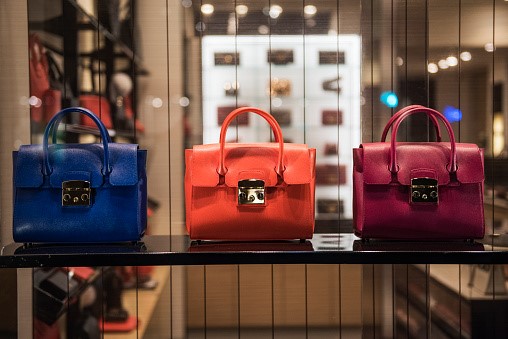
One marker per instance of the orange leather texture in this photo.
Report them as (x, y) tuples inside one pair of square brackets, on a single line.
[(213, 211)]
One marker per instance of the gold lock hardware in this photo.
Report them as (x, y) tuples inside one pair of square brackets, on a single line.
[(424, 190), (251, 192), (76, 193)]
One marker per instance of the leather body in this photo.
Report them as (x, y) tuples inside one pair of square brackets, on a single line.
[(382, 200), (212, 208), (118, 204)]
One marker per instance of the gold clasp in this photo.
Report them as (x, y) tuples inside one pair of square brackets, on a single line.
[(76, 193), (424, 190), (251, 192)]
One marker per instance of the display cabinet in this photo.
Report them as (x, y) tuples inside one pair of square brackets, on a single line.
[(320, 69), (479, 310), (88, 56), (455, 308), (311, 85)]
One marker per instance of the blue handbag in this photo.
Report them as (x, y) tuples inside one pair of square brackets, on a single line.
[(79, 193)]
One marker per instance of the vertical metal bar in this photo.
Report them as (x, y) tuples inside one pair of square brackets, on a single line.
[(204, 301), (25, 302)]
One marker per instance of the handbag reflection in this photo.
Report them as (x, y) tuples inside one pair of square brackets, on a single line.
[(258, 191), (79, 193), (418, 190)]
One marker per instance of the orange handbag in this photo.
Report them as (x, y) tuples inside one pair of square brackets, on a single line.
[(257, 191)]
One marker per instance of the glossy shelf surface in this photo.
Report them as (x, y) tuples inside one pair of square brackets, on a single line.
[(330, 248)]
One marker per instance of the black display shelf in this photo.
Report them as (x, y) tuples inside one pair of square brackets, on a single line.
[(343, 248)]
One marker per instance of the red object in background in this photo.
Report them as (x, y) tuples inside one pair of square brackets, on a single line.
[(125, 326), (129, 114), (99, 106), (44, 100), (83, 273), (45, 331)]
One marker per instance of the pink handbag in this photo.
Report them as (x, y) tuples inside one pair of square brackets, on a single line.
[(418, 190), (259, 191)]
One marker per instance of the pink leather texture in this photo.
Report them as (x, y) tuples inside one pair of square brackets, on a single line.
[(212, 173), (382, 173)]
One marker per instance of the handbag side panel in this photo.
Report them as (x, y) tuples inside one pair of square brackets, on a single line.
[(358, 208)]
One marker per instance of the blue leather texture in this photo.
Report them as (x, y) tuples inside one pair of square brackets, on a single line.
[(118, 208)]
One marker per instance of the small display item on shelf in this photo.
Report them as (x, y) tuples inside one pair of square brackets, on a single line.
[(279, 87), (129, 324), (82, 273), (331, 149), (327, 206), (231, 88), (280, 56), (227, 59), (53, 290), (332, 85), (331, 117), (223, 112), (138, 277), (327, 174), (283, 117), (332, 58)]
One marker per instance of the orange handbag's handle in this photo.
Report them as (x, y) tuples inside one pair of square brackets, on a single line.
[(222, 170)]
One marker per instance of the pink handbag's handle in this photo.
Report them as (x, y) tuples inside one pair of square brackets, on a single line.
[(397, 116), (222, 170), (429, 112)]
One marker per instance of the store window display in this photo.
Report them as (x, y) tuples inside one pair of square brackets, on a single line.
[(165, 74)]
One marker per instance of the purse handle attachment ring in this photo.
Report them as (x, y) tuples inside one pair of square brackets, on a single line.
[(222, 170), (53, 125)]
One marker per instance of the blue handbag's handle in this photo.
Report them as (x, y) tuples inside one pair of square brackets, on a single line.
[(54, 129), (53, 125)]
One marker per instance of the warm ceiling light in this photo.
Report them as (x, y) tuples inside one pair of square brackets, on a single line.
[(310, 10), (432, 68), (275, 11), (443, 64), (489, 47), (242, 10), (187, 3), (399, 61), (452, 61), (263, 29), (466, 56), (207, 9)]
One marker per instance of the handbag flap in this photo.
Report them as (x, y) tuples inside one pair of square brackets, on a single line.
[(420, 156), (250, 161), (76, 162)]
